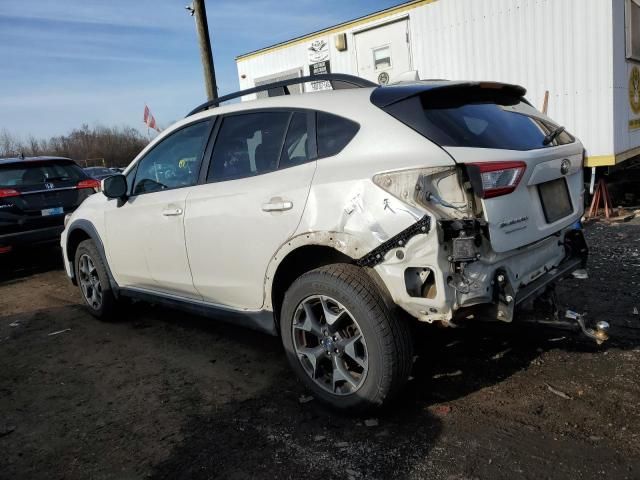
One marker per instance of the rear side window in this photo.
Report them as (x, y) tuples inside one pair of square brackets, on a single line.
[(37, 173), (476, 118), (248, 144), (296, 145), (334, 133)]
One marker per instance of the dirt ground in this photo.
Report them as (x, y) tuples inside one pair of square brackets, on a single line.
[(164, 395)]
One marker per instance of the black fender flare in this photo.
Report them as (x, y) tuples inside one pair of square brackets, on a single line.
[(90, 230)]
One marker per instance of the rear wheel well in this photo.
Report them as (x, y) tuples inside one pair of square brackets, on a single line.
[(297, 263)]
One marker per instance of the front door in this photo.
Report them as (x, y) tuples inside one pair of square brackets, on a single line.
[(145, 235), (383, 52), (259, 180)]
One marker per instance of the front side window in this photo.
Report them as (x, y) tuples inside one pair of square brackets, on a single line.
[(174, 162), (248, 144)]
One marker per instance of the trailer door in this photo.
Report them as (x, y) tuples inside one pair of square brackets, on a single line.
[(383, 52)]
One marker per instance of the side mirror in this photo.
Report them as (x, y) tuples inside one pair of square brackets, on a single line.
[(115, 186)]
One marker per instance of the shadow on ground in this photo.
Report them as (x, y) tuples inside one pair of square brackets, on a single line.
[(29, 261), (274, 435)]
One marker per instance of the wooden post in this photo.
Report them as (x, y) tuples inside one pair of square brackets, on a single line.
[(199, 11), (545, 103)]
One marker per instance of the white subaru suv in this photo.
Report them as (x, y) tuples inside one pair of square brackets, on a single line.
[(339, 219)]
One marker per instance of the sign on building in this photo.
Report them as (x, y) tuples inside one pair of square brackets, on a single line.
[(318, 52)]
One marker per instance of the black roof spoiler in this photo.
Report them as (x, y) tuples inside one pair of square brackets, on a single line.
[(383, 97), (338, 81)]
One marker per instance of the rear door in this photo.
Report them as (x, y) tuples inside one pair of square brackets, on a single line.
[(257, 186), (37, 194), (530, 184), (383, 52)]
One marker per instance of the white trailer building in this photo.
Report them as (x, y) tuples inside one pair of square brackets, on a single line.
[(585, 53)]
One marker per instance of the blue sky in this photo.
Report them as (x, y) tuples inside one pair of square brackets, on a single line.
[(68, 62)]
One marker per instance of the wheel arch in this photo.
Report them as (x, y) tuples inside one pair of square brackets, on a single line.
[(296, 263), (303, 253), (82, 230)]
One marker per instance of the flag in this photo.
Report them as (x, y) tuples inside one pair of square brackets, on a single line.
[(149, 119)]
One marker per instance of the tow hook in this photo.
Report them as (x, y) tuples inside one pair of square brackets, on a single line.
[(600, 333)]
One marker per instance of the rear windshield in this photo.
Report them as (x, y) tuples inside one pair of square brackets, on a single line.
[(476, 118), (36, 173)]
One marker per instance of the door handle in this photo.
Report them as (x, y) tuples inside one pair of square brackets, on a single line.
[(172, 212), (277, 205)]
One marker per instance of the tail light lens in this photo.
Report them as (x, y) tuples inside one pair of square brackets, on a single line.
[(437, 188), (493, 179), (89, 183), (8, 192)]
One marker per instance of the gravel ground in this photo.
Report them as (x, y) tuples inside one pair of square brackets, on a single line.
[(160, 394)]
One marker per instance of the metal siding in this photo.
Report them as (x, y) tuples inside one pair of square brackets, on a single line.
[(564, 46), (525, 42)]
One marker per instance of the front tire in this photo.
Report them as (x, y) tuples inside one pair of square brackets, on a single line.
[(342, 339), (93, 281)]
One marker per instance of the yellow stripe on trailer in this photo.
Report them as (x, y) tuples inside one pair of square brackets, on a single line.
[(405, 7), (610, 160)]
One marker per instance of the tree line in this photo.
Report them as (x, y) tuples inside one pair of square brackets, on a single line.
[(99, 145)]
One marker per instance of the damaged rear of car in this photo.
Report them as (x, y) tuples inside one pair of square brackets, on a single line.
[(509, 228)]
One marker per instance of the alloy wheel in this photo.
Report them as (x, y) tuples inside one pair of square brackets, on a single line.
[(330, 345), (89, 282)]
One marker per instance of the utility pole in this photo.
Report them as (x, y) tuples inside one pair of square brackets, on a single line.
[(198, 10)]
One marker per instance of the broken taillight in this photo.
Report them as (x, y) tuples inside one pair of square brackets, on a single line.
[(438, 188), (493, 179), (8, 192)]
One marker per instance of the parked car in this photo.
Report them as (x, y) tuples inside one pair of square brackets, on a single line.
[(35, 195), (99, 173), (338, 219)]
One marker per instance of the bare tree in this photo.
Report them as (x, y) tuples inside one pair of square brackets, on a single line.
[(116, 145)]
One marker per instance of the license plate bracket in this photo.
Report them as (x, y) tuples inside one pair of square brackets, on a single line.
[(555, 199)]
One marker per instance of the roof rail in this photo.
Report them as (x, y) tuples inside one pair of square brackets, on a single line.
[(338, 81)]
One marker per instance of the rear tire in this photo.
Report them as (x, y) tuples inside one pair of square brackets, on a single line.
[(93, 281), (343, 340)]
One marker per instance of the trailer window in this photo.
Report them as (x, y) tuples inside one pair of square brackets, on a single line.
[(382, 57), (632, 16)]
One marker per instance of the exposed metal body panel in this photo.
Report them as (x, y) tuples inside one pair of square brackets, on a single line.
[(572, 48)]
